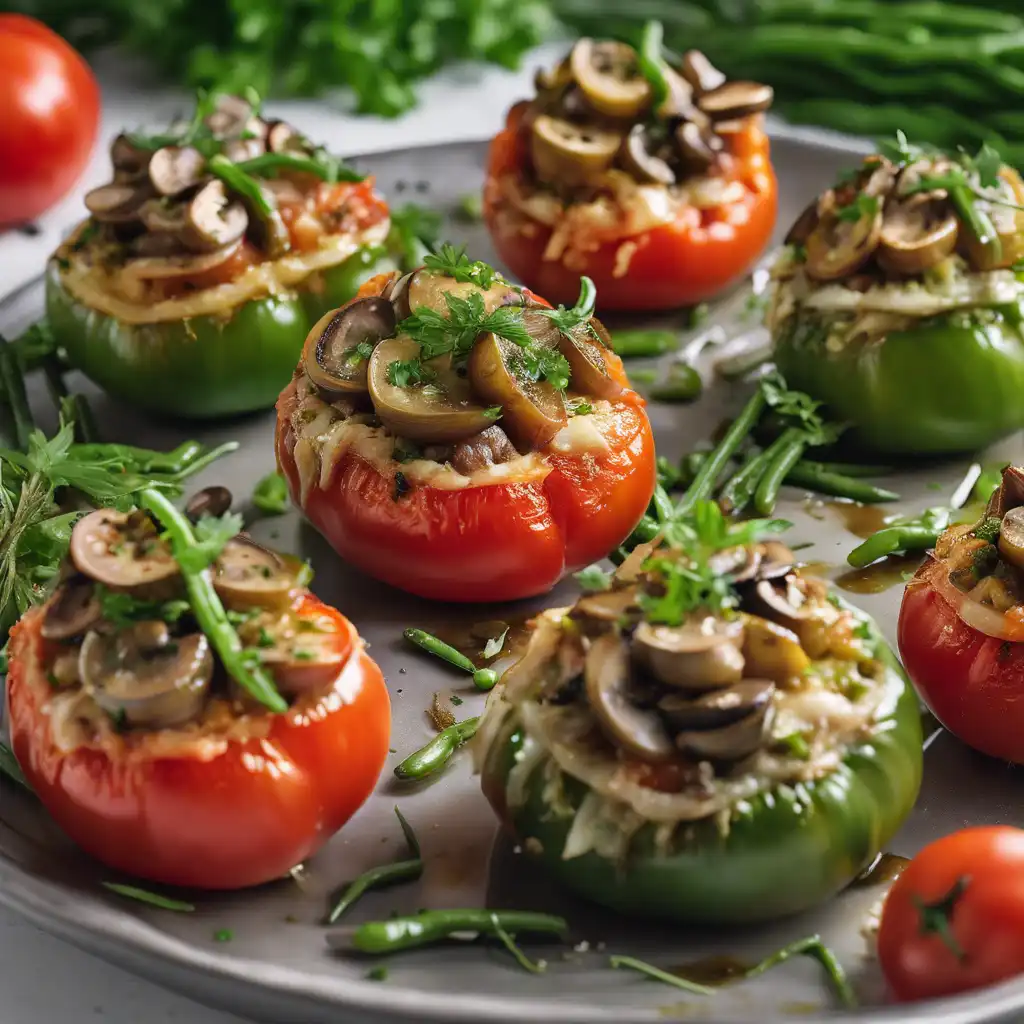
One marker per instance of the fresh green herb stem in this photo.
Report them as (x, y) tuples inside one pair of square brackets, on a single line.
[(722, 453), (652, 62), (385, 875), (430, 926), (657, 974), (154, 899), (12, 394), (662, 505), (270, 494), (207, 608), (269, 163), (433, 756), (509, 942)]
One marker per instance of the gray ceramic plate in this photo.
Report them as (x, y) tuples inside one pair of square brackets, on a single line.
[(277, 966)]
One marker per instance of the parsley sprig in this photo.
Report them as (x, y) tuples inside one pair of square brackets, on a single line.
[(453, 262), (568, 320)]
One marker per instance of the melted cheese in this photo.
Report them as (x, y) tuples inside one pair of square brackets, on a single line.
[(102, 290)]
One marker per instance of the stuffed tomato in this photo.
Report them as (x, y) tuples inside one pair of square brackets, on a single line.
[(455, 437), (728, 761), (181, 742), (204, 263), (653, 181), (961, 626), (897, 302)]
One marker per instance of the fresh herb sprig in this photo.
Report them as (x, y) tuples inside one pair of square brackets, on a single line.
[(452, 261)]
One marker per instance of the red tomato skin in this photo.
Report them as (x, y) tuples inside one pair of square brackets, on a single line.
[(987, 922), (973, 683), (246, 817), (51, 106), (677, 264)]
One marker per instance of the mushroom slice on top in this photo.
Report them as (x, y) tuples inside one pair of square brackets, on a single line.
[(772, 651), (162, 268), (803, 226), (606, 675), (533, 411), (641, 160), (701, 654), (116, 204), (140, 674), (607, 605), (1007, 247), (234, 117), (490, 447), (720, 707), (282, 137), (608, 74), (336, 353), (565, 153), (121, 550), (426, 288), (700, 72), (303, 654), (127, 158), (164, 215), (736, 99), (697, 148), (442, 410), (72, 611), (247, 575), (1011, 537), (839, 246), (730, 742), (173, 169), (211, 220), (586, 351), (917, 233), (240, 150)]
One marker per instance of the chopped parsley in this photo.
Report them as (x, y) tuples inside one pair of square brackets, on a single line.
[(453, 262), (862, 206), (988, 530), (359, 353), (123, 610), (265, 639), (593, 578), (579, 407)]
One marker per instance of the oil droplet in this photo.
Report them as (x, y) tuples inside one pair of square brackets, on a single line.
[(885, 868), (892, 571), (860, 520), (712, 970)]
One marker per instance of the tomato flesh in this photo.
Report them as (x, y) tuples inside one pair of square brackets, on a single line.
[(242, 818)]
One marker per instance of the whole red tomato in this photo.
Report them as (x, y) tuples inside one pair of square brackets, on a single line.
[(972, 682), (691, 259), (244, 815), (51, 108), (496, 542), (954, 920)]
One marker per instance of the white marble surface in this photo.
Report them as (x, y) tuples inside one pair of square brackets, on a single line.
[(43, 980)]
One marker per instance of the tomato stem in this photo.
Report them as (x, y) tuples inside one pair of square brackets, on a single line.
[(937, 917)]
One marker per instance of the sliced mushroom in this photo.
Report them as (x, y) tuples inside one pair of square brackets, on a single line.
[(1011, 537), (161, 268), (271, 231), (837, 248), (248, 575), (128, 158), (917, 234), (697, 148), (331, 355), (680, 101), (777, 560), (720, 707), (164, 215), (440, 411), (701, 654), (774, 602), (282, 137), (1007, 247), (556, 78), (1009, 494), (72, 611), (730, 742), (173, 169), (212, 221), (116, 204), (609, 75), (565, 153), (240, 150), (736, 99), (234, 117), (607, 605), (303, 654), (772, 652), (490, 447), (701, 73), (210, 501), (803, 226), (426, 288), (121, 550), (587, 354), (606, 676), (532, 410), (639, 158), (140, 674)]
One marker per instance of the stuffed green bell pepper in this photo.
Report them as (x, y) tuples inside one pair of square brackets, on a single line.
[(898, 302), (710, 742), (191, 287)]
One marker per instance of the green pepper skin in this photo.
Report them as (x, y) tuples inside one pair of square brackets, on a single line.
[(207, 366), (950, 384), (783, 852)]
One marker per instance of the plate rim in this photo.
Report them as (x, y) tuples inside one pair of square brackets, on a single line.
[(133, 942)]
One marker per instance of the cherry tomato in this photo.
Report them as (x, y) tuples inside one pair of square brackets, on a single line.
[(678, 264), (51, 106), (244, 815), (954, 920), (497, 542), (971, 681)]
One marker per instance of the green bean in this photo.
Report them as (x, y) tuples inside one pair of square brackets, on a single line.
[(208, 610), (683, 384), (737, 366), (651, 62), (433, 756), (662, 505), (719, 456), (154, 899), (384, 875), (429, 926), (891, 540), (638, 343), (12, 394), (739, 489), (142, 460), (643, 533), (982, 488), (785, 451), (657, 974), (815, 477), (432, 645), (854, 469)]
